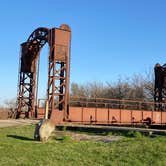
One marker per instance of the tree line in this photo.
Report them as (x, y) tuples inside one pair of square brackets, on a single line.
[(138, 87)]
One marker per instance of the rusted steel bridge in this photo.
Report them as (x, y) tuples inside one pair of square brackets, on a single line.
[(58, 40), (61, 106), (111, 111)]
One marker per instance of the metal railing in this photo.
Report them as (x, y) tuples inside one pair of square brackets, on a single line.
[(117, 104)]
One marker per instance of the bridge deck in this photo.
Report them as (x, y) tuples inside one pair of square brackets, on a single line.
[(94, 115)]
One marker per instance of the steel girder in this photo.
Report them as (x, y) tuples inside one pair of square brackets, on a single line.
[(58, 70)]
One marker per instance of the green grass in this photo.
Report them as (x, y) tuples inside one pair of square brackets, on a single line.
[(17, 147)]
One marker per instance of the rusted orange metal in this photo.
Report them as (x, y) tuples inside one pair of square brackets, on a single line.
[(160, 87), (58, 71), (115, 116), (111, 111), (81, 109), (59, 64)]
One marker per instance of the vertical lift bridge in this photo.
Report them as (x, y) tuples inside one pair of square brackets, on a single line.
[(58, 40)]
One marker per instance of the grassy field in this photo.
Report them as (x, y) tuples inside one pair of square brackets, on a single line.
[(17, 147)]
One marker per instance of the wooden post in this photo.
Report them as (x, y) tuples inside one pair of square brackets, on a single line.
[(46, 110)]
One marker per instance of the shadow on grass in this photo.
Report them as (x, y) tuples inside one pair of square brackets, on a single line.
[(20, 137)]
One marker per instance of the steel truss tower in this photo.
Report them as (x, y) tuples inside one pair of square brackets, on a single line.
[(58, 40), (160, 87)]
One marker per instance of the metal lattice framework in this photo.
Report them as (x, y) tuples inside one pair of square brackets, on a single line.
[(160, 87), (58, 70)]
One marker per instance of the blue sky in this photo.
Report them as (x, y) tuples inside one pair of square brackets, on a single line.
[(110, 38)]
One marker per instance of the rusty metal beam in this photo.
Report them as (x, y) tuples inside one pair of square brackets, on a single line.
[(160, 87), (58, 70)]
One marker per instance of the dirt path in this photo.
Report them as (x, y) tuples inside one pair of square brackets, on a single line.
[(86, 137), (18, 122)]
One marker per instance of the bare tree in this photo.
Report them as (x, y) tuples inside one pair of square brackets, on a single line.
[(149, 86), (95, 89), (138, 87), (10, 103)]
